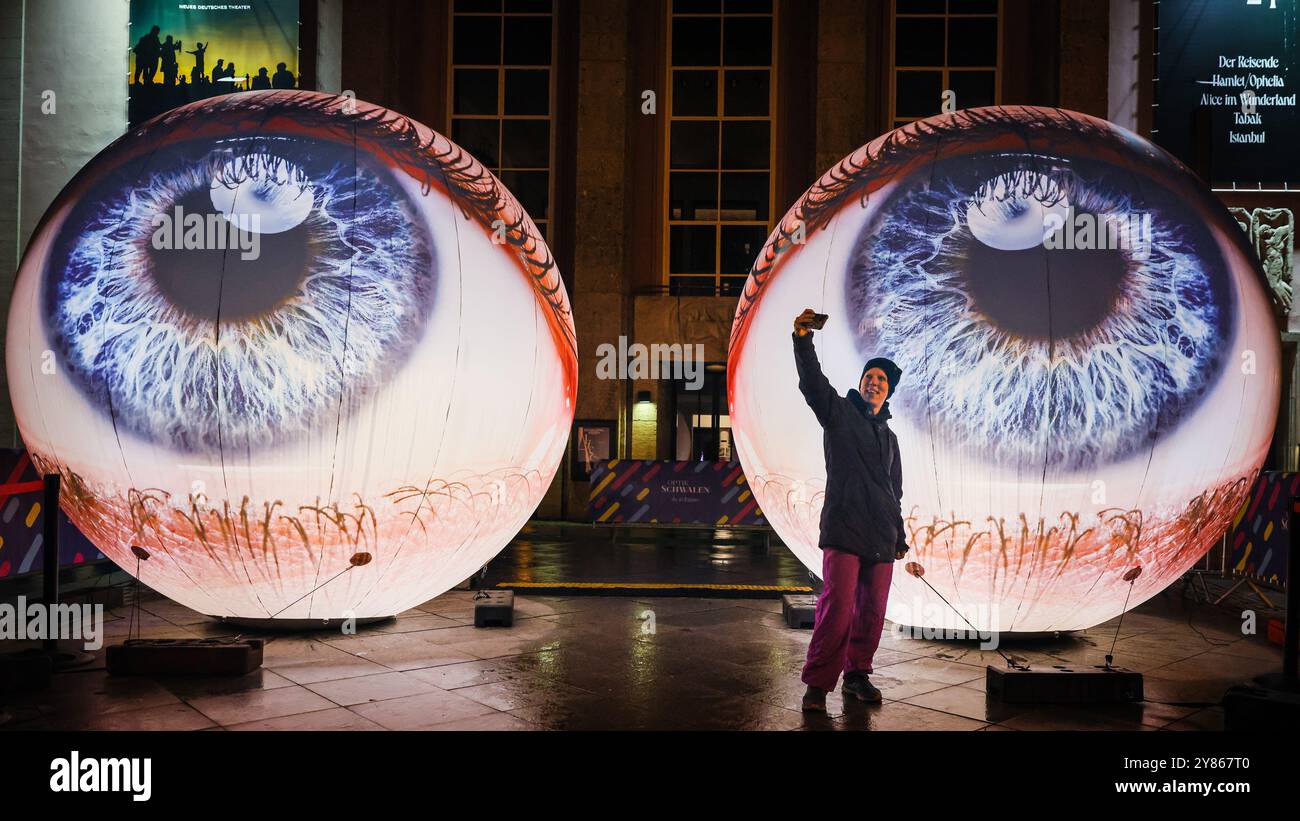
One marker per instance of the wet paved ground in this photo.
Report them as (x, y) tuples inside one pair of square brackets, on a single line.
[(608, 663), (555, 553)]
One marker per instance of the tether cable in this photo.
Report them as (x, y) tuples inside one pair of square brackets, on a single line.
[(915, 569)]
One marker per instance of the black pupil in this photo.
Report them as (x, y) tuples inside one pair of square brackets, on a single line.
[(1076, 295), (215, 284)]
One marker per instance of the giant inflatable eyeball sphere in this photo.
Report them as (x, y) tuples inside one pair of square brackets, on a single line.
[(309, 355), (1090, 362)]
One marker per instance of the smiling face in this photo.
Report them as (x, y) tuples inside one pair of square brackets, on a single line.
[(1073, 411), (874, 387), (255, 420)]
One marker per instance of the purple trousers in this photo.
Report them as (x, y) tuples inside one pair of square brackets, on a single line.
[(850, 617)]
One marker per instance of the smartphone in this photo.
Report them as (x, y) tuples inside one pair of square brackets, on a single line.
[(818, 321)]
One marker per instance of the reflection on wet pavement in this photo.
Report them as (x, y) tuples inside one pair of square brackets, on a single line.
[(621, 663), (553, 553)]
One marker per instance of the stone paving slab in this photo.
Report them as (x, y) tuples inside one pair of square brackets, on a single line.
[(644, 663)]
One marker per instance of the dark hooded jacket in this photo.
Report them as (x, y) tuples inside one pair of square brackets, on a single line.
[(862, 511)]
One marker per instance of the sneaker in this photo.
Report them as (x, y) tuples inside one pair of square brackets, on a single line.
[(814, 700), (860, 687)]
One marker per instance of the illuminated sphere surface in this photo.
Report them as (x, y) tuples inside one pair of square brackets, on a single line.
[(308, 354), (1069, 409)]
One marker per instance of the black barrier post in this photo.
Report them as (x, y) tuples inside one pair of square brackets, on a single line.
[(50, 551), (1291, 639), (62, 659)]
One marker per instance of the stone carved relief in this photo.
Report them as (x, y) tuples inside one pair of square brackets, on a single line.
[(1242, 216), (1271, 232), (686, 321), (707, 324), (1274, 242)]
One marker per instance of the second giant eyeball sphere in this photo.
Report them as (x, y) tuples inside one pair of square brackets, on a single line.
[(1069, 409)]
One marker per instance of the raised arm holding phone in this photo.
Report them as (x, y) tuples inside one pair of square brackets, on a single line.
[(862, 531)]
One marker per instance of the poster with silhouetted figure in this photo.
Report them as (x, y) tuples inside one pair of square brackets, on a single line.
[(187, 51)]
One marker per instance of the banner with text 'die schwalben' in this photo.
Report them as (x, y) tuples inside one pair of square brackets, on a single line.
[(652, 492)]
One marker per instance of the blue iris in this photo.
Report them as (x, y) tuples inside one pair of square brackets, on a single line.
[(1025, 356), (206, 346)]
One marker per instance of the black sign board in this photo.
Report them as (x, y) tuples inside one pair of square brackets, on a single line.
[(1226, 89)]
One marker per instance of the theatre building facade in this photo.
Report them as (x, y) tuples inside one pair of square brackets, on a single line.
[(657, 143)]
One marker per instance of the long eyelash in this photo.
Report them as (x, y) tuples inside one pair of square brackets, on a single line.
[(1025, 181), (232, 169), (475, 190), (879, 160)]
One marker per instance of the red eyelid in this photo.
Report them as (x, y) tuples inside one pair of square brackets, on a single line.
[(521, 234), (525, 238), (278, 124), (858, 164)]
